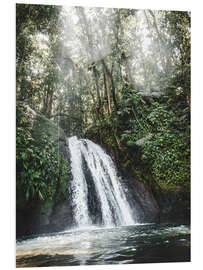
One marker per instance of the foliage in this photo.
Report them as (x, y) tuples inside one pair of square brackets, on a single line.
[(39, 167), (37, 49), (168, 150), (150, 134), (154, 138), (129, 90)]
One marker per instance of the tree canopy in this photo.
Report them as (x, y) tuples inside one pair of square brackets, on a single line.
[(120, 77)]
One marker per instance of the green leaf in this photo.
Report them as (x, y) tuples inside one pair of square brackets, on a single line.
[(36, 174), (126, 163), (131, 143), (40, 195), (27, 195), (25, 164), (23, 155)]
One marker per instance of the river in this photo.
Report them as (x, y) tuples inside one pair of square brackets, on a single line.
[(142, 243)]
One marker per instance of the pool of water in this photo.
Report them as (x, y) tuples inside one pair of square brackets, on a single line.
[(143, 243)]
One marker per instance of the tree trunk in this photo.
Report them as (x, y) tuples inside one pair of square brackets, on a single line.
[(107, 91), (97, 87), (110, 78)]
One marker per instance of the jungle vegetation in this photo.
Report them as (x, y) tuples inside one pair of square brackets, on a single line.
[(119, 77)]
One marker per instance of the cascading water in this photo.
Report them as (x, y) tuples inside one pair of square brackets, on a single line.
[(104, 193)]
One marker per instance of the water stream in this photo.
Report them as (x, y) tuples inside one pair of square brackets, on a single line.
[(106, 193)]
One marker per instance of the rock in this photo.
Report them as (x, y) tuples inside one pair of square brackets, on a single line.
[(61, 217), (174, 207), (44, 220), (142, 201)]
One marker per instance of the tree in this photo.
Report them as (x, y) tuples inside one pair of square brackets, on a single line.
[(118, 76), (36, 27)]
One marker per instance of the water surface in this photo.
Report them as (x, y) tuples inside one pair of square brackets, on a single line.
[(144, 243)]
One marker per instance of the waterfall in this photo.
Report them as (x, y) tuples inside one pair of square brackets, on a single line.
[(97, 193)]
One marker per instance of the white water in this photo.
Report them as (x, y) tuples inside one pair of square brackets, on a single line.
[(99, 246), (114, 207)]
